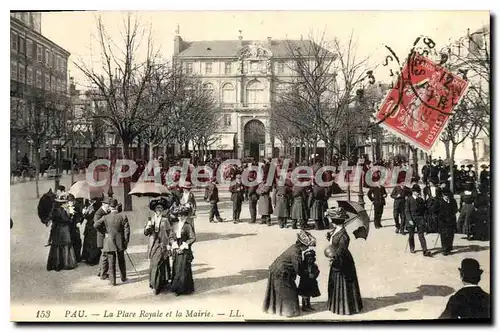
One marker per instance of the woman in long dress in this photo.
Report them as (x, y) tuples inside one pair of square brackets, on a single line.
[(61, 253), (282, 297), (344, 296), (90, 252), (158, 229), (182, 238)]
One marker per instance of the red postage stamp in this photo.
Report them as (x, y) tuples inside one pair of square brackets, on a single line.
[(418, 108)]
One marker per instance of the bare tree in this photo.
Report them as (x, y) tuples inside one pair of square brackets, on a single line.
[(122, 83), (43, 116), (326, 77)]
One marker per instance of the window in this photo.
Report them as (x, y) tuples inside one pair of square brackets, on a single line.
[(47, 82), (255, 92), (227, 68), (22, 45), (13, 70), (22, 73), (39, 53), (47, 57), (189, 67), (64, 63), (208, 87), (208, 68), (227, 120), (228, 94), (63, 86), (29, 48), (29, 77), (281, 67), (38, 78), (53, 82), (49, 64), (13, 41)]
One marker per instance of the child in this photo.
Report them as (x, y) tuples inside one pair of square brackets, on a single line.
[(308, 285)]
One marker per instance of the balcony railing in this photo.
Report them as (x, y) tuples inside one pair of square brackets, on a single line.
[(244, 105)]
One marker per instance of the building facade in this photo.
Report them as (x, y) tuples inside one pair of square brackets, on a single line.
[(245, 77), (36, 63)]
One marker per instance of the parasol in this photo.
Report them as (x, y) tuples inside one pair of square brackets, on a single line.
[(358, 220), (149, 189), (82, 189), (467, 162)]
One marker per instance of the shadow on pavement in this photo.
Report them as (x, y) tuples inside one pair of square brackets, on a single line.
[(372, 304), (201, 237), (244, 277), (470, 248)]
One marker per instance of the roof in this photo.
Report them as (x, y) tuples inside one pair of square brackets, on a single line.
[(230, 48)]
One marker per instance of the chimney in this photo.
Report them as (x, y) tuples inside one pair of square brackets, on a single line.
[(240, 38), (268, 41), (178, 43)]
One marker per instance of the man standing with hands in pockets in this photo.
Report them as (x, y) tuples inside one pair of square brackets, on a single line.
[(116, 240)]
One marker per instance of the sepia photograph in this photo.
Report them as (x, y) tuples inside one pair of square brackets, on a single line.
[(250, 166)]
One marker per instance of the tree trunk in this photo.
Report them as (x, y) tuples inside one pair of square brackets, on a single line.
[(151, 152), (447, 149), (57, 180), (127, 199), (37, 171), (474, 153), (450, 163), (414, 152)]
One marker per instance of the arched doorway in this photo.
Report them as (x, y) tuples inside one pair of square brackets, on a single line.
[(254, 139)]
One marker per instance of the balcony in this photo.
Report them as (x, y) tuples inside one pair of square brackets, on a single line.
[(230, 106), (255, 105)]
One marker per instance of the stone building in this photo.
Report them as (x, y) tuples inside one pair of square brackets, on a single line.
[(245, 76), (36, 62)]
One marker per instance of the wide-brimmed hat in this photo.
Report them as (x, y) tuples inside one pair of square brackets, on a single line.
[(306, 238), (158, 202), (186, 185), (470, 166), (484, 166), (182, 210), (463, 166), (62, 198)]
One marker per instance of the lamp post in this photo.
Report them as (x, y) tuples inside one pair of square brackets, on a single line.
[(110, 137), (57, 145), (361, 163)]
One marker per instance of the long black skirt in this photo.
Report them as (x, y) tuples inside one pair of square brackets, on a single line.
[(182, 273), (90, 253), (159, 269), (344, 296), (61, 257), (282, 297)]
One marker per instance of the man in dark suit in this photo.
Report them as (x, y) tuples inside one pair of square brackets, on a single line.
[(415, 213), (103, 261), (253, 197), (237, 197), (212, 196), (377, 196), (399, 194), (116, 240), (470, 302)]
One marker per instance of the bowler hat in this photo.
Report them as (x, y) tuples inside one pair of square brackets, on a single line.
[(113, 203), (470, 166), (463, 166), (416, 188), (484, 166), (470, 266)]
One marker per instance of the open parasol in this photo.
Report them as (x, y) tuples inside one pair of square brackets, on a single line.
[(149, 189), (358, 220), (82, 189)]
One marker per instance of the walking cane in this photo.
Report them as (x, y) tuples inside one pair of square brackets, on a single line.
[(435, 242), (130, 259)]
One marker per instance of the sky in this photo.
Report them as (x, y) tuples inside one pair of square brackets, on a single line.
[(75, 31)]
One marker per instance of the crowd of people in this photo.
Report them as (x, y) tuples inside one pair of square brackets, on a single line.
[(171, 230)]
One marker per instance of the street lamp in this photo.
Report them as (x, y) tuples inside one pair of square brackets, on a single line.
[(110, 137)]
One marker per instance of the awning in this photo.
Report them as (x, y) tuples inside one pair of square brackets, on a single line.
[(222, 141)]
